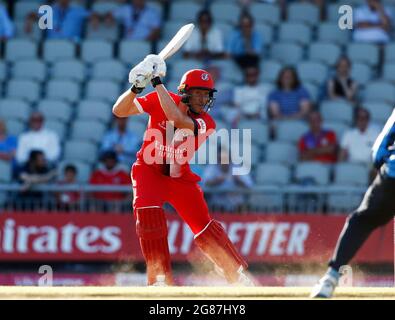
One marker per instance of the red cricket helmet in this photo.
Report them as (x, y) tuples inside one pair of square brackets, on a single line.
[(197, 79)]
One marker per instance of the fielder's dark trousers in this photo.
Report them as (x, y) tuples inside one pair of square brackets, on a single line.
[(376, 209)]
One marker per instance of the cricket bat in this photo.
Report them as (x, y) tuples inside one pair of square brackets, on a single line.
[(176, 42)]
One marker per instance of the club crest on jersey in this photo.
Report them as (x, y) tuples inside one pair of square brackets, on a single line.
[(202, 125), (205, 76)]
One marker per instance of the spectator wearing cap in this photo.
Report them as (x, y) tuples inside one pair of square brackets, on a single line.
[(121, 140), (38, 138), (139, 19), (342, 86), (245, 44), (110, 173), (206, 41), (356, 144), (372, 22), (68, 21), (318, 144), (6, 24), (290, 100)]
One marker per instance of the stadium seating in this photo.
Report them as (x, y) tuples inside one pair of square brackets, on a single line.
[(55, 50), (35, 70), (225, 12), (84, 151), (18, 49), (63, 89), (109, 70), (340, 110), (330, 32), (273, 174), (69, 70), (94, 110), (132, 52), (287, 53), (281, 152), (295, 32), (96, 50), (351, 174), (55, 110), (265, 13), (304, 12), (312, 172), (23, 89), (324, 52), (14, 109), (290, 130)]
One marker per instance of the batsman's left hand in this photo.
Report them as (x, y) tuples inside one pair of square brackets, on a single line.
[(158, 65)]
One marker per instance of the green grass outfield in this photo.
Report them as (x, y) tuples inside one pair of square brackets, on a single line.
[(8, 292)]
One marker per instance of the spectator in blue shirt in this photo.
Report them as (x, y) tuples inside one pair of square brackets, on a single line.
[(68, 21), (124, 142), (245, 43), (139, 20), (290, 100), (7, 144), (6, 25)]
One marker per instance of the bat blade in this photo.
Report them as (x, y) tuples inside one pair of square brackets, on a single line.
[(177, 41)]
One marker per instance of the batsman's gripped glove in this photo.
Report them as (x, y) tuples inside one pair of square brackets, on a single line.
[(152, 66)]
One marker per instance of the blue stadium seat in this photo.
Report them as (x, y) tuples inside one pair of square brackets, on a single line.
[(55, 50), (379, 111), (380, 91), (83, 170), (319, 173), (14, 109), (287, 53), (109, 70), (23, 89), (295, 32), (30, 70), (390, 52), (338, 127), (273, 174), (102, 89), (330, 32), (69, 70), (132, 51), (290, 130), (337, 110), (77, 150), (20, 49), (58, 127), (14, 127), (314, 72), (267, 32), (88, 130), (185, 11), (389, 72), (96, 50), (304, 12), (361, 73), (270, 70), (55, 110), (63, 89), (324, 52), (266, 13), (259, 130), (363, 53), (351, 174), (95, 110), (225, 12)]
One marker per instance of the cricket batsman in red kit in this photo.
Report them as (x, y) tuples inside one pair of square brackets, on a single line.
[(162, 174)]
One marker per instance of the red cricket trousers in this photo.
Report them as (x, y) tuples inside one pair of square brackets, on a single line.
[(153, 189)]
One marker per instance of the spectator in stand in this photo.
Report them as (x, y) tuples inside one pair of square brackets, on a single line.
[(8, 144), (68, 21), (251, 98), (6, 24), (206, 41), (372, 22), (68, 200), (221, 176), (110, 173), (140, 21), (356, 144), (245, 43), (342, 86), (38, 138), (121, 140), (101, 27), (290, 100), (318, 144), (36, 171)]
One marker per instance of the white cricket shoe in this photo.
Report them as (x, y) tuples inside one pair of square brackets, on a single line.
[(325, 287)]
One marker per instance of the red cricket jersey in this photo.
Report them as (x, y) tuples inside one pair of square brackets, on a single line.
[(309, 141), (169, 151)]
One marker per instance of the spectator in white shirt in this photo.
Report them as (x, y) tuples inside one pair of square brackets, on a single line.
[(372, 23), (206, 41), (6, 25), (221, 176), (38, 138), (251, 98), (356, 144)]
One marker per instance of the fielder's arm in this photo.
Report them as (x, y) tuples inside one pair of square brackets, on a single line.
[(171, 110), (125, 106)]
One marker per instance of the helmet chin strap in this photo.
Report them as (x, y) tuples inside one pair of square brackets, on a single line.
[(206, 108)]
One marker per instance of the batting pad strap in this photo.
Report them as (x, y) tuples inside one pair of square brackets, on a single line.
[(151, 223)]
